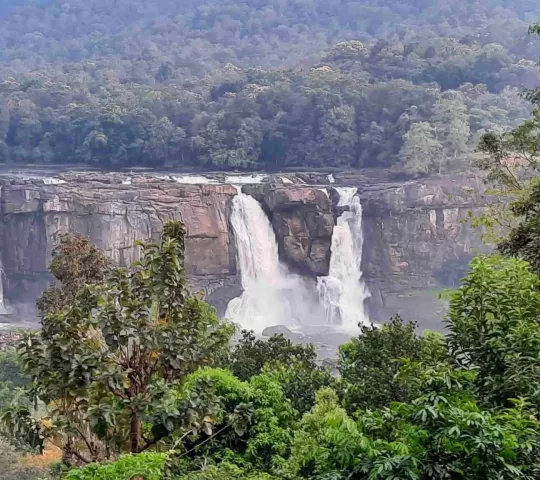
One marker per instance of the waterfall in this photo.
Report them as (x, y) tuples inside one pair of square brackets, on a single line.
[(245, 179), (343, 292), (52, 181), (3, 310), (272, 295)]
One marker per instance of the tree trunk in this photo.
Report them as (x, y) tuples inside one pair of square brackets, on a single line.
[(135, 432)]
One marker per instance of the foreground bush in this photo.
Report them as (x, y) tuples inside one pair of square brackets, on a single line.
[(146, 465)]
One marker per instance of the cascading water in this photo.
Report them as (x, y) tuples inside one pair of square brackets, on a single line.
[(272, 295), (343, 292), (245, 179), (3, 310), (193, 179)]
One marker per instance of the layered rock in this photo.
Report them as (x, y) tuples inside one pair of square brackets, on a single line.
[(114, 216), (418, 236), (303, 219)]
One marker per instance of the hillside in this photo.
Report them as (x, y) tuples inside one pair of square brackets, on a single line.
[(261, 84)]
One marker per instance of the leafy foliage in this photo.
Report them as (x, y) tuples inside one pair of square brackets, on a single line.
[(75, 262), (260, 444), (108, 367), (369, 363), (493, 320), (146, 465), (294, 366), (12, 381), (441, 434)]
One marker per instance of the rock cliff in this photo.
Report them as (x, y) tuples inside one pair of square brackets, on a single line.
[(303, 219), (415, 236), (114, 216), (418, 235)]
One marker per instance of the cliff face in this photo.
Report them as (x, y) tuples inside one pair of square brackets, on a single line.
[(303, 219), (114, 216), (418, 235), (414, 233)]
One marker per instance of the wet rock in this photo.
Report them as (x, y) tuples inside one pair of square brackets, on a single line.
[(277, 330)]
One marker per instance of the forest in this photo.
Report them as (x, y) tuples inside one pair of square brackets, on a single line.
[(262, 84)]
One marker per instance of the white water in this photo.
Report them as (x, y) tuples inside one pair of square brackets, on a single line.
[(342, 293), (244, 179), (3, 310), (331, 178), (53, 181), (193, 179), (272, 295)]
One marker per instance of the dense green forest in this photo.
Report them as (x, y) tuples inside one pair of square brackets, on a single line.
[(262, 83)]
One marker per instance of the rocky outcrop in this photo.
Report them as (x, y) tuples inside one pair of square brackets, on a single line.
[(418, 234), (114, 216), (303, 220)]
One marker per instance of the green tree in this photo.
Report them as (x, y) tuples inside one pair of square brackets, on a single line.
[(109, 367), (442, 433), (250, 354), (451, 123), (76, 262), (420, 149), (369, 363), (494, 329), (265, 441), (12, 381)]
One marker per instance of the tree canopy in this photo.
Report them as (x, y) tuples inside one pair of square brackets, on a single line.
[(261, 84)]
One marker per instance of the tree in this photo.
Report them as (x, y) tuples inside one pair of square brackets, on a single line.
[(443, 433), (369, 363), (494, 329), (523, 241), (420, 149), (451, 124), (76, 262), (250, 354), (109, 367), (12, 381), (264, 443), (294, 367)]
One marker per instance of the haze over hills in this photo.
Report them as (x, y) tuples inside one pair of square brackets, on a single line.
[(261, 84)]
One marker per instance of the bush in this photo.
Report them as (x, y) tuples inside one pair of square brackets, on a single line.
[(147, 465)]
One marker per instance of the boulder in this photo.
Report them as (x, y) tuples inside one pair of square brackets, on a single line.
[(277, 330)]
